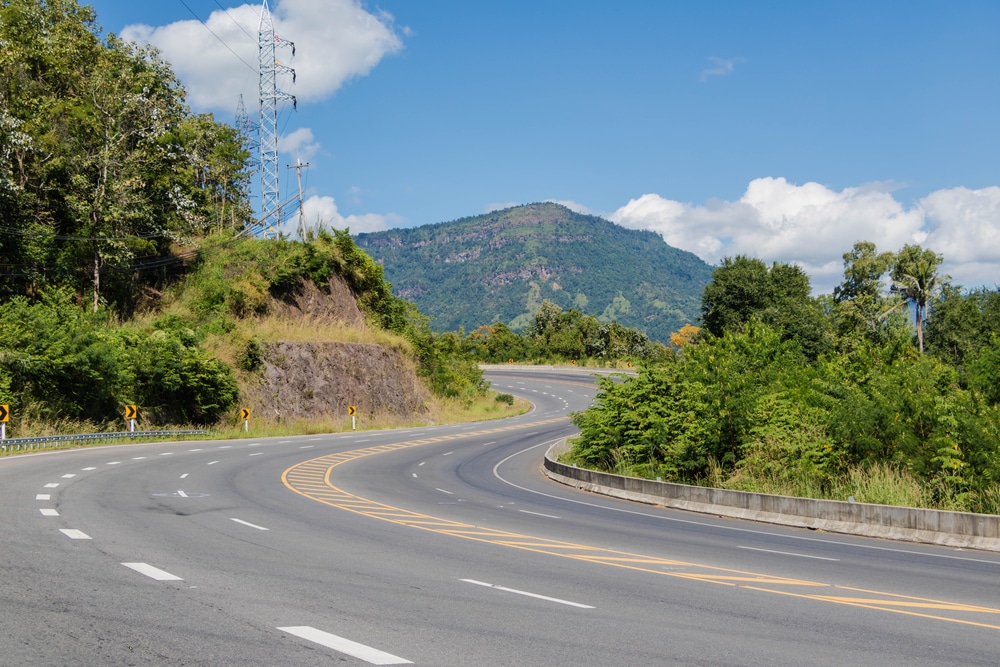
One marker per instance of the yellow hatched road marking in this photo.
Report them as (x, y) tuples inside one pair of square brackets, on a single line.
[(312, 479)]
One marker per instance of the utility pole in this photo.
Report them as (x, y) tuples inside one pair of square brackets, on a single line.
[(298, 167), (270, 95)]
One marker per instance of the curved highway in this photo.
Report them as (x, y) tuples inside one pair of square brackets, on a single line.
[(444, 546)]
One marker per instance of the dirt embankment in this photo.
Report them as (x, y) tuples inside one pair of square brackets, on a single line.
[(321, 379)]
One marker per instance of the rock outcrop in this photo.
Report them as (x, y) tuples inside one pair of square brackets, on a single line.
[(302, 380)]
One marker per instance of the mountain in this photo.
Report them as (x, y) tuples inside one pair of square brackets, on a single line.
[(501, 266)]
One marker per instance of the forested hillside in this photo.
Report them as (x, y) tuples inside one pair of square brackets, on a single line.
[(501, 266), (829, 397)]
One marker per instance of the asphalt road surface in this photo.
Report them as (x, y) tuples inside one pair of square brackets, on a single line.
[(444, 546)]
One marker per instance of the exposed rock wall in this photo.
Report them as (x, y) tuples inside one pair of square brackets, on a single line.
[(322, 379)]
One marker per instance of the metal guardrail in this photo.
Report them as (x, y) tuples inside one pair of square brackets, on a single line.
[(52, 441)]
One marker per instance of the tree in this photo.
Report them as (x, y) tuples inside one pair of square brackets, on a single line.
[(861, 302), (963, 323), (745, 289), (915, 278)]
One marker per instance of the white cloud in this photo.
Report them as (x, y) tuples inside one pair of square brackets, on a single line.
[(720, 67), (964, 226), (322, 211), (299, 143), (335, 41), (813, 226)]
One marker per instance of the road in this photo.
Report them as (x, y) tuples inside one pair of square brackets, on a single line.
[(444, 546)]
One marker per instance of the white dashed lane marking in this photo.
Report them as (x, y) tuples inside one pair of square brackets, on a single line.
[(74, 534), (247, 523), (527, 594), (48, 512), (370, 655), (152, 572)]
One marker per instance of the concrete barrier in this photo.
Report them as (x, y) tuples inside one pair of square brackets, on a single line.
[(953, 529)]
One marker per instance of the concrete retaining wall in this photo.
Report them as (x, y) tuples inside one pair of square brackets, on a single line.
[(955, 529)]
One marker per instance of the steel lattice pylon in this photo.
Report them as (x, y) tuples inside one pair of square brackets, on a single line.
[(270, 96)]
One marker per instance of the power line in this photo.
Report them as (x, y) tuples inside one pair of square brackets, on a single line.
[(222, 41), (240, 25)]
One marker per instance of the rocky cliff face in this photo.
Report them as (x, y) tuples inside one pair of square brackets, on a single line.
[(321, 379)]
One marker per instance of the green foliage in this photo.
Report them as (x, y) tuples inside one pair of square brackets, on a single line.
[(962, 324), (915, 279), (558, 336), (744, 289), (77, 366), (751, 409), (505, 398), (103, 166)]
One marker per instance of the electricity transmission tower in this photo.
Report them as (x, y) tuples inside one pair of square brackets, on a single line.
[(249, 129), (270, 95)]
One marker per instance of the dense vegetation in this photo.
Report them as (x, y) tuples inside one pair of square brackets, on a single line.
[(127, 276), (501, 266), (557, 336), (820, 397), (102, 166)]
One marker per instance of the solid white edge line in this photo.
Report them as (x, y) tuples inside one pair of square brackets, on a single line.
[(74, 534), (247, 523), (706, 524), (526, 593), (346, 646), (152, 572), (786, 553)]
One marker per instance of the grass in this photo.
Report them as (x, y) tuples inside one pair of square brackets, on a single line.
[(442, 411)]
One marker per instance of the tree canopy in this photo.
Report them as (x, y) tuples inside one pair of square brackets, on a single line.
[(104, 167)]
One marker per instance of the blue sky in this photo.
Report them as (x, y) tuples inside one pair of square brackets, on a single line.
[(781, 130)]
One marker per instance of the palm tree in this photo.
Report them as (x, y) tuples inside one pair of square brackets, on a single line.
[(915, 278)]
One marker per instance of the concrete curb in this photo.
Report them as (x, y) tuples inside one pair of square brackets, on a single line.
[(952, 529)]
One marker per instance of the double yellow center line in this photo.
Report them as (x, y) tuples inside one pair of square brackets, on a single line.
[(313, 479)]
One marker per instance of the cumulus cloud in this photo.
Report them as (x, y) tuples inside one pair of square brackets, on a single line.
[(335, 40), (720, 67), (322, 211), (813, 226), (299, 143)]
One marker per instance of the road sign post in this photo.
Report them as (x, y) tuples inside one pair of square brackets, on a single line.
[(4, 417), (353, 411), (131, 412), (245, 416)]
